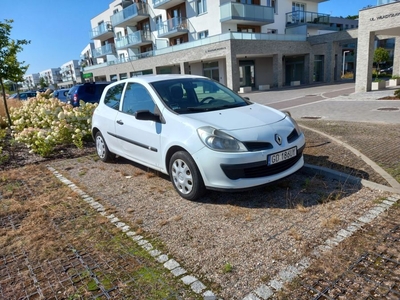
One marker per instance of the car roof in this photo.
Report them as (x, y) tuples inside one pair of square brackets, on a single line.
[(160, 77)]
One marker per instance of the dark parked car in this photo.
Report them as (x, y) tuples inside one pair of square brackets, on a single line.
[(23, 95), (87, 92), (387, 71), (61, 94)]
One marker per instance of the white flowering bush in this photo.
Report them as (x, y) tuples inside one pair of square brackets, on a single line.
[(42, 123)]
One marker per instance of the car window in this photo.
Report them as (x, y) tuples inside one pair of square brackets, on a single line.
[(191, 95), (137, 98), (113, 96), (89, 89)]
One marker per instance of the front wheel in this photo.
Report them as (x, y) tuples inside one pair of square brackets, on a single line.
[(185, 176), (102, 149)]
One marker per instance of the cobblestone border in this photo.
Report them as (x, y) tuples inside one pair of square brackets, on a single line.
[(169, 263), (265, 291)]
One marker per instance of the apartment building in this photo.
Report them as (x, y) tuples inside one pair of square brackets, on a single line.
[(51, 77), (31, 81), (70, 74), (244, 44)]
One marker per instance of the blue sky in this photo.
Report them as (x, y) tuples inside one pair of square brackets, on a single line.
[(59, 30)]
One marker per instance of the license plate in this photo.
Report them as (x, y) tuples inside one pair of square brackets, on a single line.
[(282, 156)]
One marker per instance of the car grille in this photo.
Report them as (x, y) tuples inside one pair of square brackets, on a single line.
[(259, 169)]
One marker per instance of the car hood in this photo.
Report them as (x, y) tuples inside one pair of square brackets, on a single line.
[(238, 118)]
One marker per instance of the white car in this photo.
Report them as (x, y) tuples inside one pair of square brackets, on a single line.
[(204, 135)]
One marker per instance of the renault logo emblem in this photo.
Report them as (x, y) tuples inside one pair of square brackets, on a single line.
[(278, 139)]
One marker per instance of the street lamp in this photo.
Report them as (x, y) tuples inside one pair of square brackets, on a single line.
[(344, 59)]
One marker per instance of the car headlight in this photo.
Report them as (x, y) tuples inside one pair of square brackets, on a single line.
[(219, 141), (295, 124), (288, 115)]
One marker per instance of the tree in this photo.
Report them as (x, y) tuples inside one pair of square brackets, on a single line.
[(381, 55), (10, 68)]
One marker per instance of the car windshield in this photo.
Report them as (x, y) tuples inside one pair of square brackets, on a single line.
[(193, 95)]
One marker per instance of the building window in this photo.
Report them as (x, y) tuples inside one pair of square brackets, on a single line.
[(158, 21), (201, 6), (203, 34), (272, 3)]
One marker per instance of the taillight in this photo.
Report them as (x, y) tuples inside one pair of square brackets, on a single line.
[(75, 98)]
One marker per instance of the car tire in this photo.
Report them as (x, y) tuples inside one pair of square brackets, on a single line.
[(185, 176), (102, 148)]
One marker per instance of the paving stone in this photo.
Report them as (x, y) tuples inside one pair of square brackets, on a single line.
[(197, 287), (162, 258), (171, 264), (178, 271), (189, 279), (264, 292)]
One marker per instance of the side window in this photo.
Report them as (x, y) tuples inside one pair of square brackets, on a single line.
[(113, 96), (90, 89), (137, 98)]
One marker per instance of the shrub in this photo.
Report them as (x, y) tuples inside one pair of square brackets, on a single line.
[(10, 103), (395, 76), (397, 93), (42, 123)]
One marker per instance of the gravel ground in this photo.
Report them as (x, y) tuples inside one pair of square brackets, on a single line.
[(233, 241)]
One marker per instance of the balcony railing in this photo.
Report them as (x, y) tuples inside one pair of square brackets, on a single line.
[(135, 12), (306, 17), (237, 12), (207, 41), (137, 39), (164, 4), (104, 50), (173, 27), (103, 28)]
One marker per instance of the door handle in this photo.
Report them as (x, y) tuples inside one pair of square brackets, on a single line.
[(120, 122)]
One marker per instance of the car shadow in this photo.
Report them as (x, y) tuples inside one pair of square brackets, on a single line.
[(305, 188)]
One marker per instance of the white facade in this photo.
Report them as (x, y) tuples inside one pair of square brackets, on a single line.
[(31, 82), (52, 77), (129, 31), (70, 74)]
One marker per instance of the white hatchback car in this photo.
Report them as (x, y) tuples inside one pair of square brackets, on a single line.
[(198, 131)]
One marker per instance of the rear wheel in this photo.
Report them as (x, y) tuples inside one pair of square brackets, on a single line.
[(102, 149), (185, 176)]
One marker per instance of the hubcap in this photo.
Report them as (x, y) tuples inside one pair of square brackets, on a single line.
[(100, 147), (182, 176)]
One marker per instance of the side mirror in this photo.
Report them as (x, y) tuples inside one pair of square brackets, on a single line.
[(146, 115)]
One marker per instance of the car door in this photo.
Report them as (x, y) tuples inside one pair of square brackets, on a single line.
[(140, 139), (106, 116)]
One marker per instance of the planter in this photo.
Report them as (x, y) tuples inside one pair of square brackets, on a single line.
[(378, 85), (394, 82)]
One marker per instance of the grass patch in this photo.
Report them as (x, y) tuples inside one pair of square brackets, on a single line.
[(50, 224)]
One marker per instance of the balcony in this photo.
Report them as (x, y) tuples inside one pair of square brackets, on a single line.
[(102, 32), (165, 4), (207, 41), (105, 50), (134, 40), (130, 15), (246, 14), (313, 19), (173, 27)]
